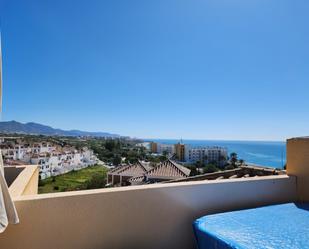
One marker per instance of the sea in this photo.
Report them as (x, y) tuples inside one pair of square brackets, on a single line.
[(259, 153)]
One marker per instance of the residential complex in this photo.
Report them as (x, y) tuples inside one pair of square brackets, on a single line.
[(160, 148), (189, 154), (52, 159), (207, 155)]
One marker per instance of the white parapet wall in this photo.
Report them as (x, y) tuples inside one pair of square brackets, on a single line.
[(152, 216)]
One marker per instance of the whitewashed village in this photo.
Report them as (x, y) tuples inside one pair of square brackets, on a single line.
[(51, 158)]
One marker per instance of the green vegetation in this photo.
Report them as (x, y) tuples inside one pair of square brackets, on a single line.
[(89, 178), (114, 151), (108, 150), (210, 168), (233, 159), (201, 167)]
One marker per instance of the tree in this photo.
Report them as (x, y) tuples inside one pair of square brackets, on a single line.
[(210, 168), (110, 145), (132, 156), (233, 158), (193, 171), (142, 153), (199, 164), (153, 159), (165, 153), (116, 160), (241, 161)]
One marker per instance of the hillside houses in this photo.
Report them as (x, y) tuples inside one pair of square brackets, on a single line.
[(52, 159)]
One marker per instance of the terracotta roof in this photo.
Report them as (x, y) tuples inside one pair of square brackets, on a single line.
[(141, 171), (115, 170), (145, 165), (166, 170), (169, 169), (130, 170), (241, 172), (185, 170)]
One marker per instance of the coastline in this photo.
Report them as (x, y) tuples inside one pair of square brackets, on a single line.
[(258, 153)]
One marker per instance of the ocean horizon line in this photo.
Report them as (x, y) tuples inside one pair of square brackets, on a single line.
[(219, 140), (260, 153)]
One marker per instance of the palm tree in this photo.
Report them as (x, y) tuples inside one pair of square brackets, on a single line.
[(233, 155), (233, 158)]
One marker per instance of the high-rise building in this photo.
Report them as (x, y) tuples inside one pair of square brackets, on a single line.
[(153, 147), (160, 148), (180, 149), (206, 155)]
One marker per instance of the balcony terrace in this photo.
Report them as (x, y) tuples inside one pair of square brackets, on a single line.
[(149, 216)]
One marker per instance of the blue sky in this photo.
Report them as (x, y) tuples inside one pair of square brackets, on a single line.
[(203, 69)]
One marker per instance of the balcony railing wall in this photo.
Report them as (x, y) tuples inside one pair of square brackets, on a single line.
[(152, 216)]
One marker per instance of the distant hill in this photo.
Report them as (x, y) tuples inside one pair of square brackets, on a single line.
[(11, 127)]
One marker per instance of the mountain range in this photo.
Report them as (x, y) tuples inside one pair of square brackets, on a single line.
[(11, 127)]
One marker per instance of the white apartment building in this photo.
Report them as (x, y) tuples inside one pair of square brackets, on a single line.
[(169, 148), (206, 154), (57, 163), (22, 151), (144, 145), (52, 159)]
